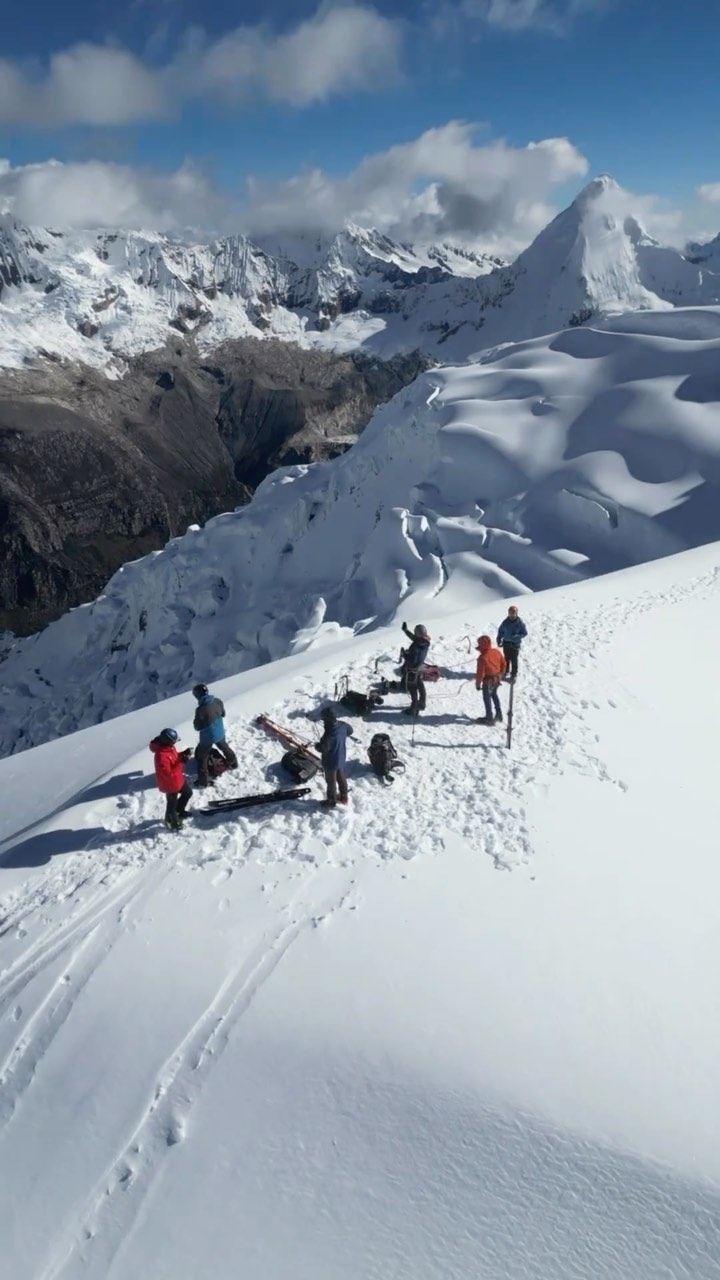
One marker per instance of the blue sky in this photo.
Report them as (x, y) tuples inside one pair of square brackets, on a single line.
[(174, 92)]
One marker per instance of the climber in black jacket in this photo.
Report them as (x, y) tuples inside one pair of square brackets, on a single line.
[(414, 661)]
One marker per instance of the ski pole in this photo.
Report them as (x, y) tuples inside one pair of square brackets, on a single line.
[(508, 742)]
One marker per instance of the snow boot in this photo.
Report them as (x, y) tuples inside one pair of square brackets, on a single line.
[(173, 825), (499, 718), (485, 720), (328, 804)]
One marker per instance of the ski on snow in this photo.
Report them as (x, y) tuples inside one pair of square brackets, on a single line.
[(248, 802), (284, 735)]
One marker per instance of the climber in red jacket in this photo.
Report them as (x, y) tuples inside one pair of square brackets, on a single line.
[(170, 776)]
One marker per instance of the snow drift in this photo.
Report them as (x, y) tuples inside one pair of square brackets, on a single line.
[(322, 1047), (550, 461)]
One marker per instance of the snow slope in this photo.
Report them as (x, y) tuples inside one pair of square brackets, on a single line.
[(467, 1028), (548, 462), (100, 296)]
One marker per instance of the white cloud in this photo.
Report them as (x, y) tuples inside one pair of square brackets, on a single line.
[(710, 191), (341, 49), (338, 50), (99, 194), (442, 185)]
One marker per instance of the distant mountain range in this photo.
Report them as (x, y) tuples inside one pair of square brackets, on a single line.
[(101, 297)]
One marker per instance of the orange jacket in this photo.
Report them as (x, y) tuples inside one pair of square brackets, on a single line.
[(491, 664)]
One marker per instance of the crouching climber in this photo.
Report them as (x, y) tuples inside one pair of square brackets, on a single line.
[(491, 668), (209, 722), (170, 777), (413, 663), (333, 749)]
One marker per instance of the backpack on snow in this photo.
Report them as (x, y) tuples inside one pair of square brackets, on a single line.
[(299, 764), (383, 756), (360, 703), (216, 764)]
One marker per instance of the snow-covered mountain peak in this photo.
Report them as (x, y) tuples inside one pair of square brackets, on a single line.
[(594, 190), (101, 296)]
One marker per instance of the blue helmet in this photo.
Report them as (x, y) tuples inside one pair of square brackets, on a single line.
[(169, 735)]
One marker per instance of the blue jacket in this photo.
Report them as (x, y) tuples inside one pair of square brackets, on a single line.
[(333, 745), (512, 631), (209, 720)]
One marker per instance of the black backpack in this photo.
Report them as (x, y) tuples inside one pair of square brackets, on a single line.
[(299, 764), (383, 756), (216, 764), (361, 703)]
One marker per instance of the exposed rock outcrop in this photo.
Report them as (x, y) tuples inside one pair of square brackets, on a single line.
[(95, 472)]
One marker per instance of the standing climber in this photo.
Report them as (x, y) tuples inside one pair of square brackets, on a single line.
[(170, 777), (415, 659), (511, 633), (333, 749), (490, 671), (209, 722)]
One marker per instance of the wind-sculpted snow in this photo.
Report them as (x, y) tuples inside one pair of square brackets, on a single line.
[(548, 462)]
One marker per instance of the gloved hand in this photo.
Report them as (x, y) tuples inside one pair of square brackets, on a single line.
[(186, 754)]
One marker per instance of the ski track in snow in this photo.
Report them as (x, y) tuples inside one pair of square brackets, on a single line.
[(479, 792), (164, 1122)]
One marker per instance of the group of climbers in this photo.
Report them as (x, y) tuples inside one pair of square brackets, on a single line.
[(494, 665), (209, 723)]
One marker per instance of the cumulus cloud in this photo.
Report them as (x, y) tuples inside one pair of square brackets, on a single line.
[(96, 193), (710, 191), (341, 49), (442, 185)]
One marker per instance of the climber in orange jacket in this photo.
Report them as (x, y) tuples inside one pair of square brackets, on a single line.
[(491, 667)]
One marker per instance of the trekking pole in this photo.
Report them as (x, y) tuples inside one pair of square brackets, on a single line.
[(510, 716)]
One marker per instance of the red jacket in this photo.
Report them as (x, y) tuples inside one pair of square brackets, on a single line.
[(491, 664), (169, 770)]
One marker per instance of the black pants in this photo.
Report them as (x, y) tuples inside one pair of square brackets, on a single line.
[(202, 755), (336, 783), (416, 689), (177, 803), (512, 653)]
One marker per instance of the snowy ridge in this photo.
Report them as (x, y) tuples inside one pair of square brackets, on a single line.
[(98, 296), (92, 296), (377, 1055), (550, 461)]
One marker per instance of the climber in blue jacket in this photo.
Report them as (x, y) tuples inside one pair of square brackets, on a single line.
[(511, 633)]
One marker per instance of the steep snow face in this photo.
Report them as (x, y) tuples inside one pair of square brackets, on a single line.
[(550, 461), (292, 1045), (99, 296)]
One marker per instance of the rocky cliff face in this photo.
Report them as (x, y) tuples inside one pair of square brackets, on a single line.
[(95, 472)]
